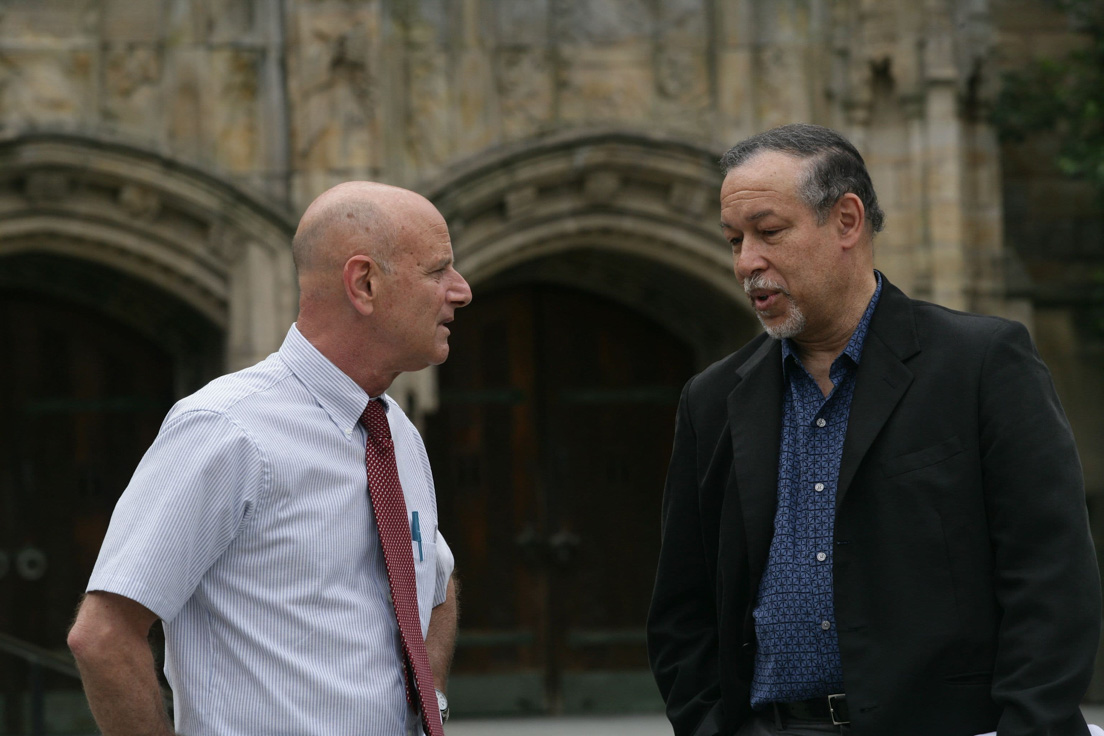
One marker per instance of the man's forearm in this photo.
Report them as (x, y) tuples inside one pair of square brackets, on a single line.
[(126, 699), (441, 639), (117, 668)]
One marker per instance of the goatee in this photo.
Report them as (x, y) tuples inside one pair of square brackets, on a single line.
[(794, 323)]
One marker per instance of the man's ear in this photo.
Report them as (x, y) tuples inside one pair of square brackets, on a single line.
[(850, 217), (359, 276)]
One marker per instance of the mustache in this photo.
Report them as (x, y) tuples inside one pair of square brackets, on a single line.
[(759, 281)]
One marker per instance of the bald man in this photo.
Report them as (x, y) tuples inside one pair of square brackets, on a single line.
[(247, 527)]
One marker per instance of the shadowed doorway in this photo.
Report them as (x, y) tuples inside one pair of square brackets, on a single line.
[(93, 360), (549, 452)]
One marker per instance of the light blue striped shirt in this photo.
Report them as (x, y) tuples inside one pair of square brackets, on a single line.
[(248, 529)]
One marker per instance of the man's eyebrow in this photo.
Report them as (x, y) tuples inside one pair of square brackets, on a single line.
[(753, 217)]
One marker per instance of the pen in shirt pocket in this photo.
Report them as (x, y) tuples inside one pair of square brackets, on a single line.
[(416, 534)]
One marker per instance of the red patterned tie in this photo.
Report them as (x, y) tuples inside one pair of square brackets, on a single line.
[(394, 531)]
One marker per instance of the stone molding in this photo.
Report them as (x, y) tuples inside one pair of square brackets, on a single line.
[(537, 194), (645, 202), (181, 229)]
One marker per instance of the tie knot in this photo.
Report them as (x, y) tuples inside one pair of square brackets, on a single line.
[(374, 420)]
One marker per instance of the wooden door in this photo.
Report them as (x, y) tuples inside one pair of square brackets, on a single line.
[(81, 398), (549, 450)]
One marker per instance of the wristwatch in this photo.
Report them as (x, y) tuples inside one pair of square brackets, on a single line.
[(442, 703)]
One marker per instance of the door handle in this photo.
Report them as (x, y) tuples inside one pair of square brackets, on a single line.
[(531, 545), (563, 546), (30, 563)]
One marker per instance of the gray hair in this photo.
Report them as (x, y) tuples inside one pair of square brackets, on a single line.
[(836, 167)]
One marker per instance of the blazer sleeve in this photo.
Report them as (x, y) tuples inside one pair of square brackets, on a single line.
[(1047, 581), (682, 621)]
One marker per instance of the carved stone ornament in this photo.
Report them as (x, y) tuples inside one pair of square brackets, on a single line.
[(676, 73), (600, 186), (139, 202), (689, 198), (47, 186), (225, 242), (525, 90), (519, 200), (428, 111)]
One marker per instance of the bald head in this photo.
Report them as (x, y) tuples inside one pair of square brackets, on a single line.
[(377, 285), (354, 218)]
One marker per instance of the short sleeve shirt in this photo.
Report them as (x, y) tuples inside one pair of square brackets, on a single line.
[(247, 528)]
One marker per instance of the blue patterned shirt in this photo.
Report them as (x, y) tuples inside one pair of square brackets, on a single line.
[(798, 655)]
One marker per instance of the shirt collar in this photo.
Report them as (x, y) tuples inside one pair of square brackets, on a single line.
[(858, 337), (334, 391)]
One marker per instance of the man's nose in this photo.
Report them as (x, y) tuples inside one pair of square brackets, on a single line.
[(461, 294), (749, 260)]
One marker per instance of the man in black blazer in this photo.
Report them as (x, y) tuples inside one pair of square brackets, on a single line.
[(874, 521)]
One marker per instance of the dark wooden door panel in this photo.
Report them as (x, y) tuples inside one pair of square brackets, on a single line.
[(616, 386), (81, 399), (484, 451), (550, 449)]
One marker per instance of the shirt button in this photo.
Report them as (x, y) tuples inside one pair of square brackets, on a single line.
[(821, 422), (818, 487), (825, 625), (821, 557)]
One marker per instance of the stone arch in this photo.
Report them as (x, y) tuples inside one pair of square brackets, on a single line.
[(191, 235), (630, 217)]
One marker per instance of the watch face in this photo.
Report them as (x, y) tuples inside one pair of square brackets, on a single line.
[(442, 705)]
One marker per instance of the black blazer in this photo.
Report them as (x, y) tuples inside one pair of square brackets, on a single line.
[(967, 593)]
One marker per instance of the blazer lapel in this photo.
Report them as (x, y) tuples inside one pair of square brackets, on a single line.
[(755, 420), (882, 378)]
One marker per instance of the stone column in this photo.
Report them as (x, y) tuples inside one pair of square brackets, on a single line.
[(945, 159), (736, 88), (259, 301)]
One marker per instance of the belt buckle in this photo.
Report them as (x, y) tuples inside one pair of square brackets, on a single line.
[(832, 699)]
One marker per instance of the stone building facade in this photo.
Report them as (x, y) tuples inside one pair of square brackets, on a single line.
[(155, 156)]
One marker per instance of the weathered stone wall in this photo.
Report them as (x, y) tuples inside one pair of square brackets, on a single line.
[(285, 99), (1055, 229), (280, 100)]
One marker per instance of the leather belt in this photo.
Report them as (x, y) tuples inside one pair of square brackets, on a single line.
[(831, 709)]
